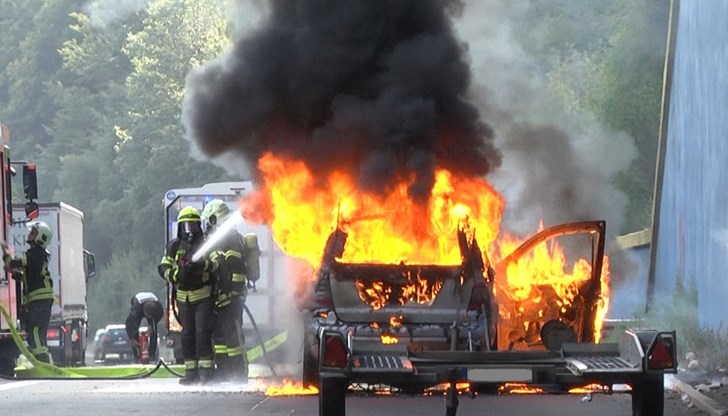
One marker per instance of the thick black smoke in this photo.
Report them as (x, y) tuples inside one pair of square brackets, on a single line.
[(376, 88)]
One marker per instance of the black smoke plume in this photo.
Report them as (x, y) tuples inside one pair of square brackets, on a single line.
[(375, 88)]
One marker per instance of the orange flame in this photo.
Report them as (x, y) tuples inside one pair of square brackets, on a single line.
[(519, 388), (290, 388), (590, 388), (303, 210), (389, 339)]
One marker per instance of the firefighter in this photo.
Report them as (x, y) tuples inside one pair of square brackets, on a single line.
[(237, 257), (37, 295), (144, 305), (192, 281)]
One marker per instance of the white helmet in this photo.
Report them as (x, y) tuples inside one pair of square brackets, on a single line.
[(39, 233)]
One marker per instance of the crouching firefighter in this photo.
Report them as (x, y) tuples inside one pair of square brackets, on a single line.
[(144, 305), (192, 281), (37, 294), (237, 257)]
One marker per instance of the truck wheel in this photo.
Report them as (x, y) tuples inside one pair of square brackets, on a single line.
[(648, 396), (7, 366), (332, 395)]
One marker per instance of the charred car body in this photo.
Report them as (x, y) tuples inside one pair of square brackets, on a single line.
[(416, 326)]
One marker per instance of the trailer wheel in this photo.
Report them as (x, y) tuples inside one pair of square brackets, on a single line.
[(332, 394), (648, 396)]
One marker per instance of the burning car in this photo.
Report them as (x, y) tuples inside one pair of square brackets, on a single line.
[(414, 326)]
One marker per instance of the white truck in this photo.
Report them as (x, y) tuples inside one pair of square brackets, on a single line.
[(70, 267)]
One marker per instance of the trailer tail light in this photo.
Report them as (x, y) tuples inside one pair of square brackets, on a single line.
[(335, 352), (661, 354)]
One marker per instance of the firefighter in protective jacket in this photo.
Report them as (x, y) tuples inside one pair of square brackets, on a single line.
[(37, 300), (237, 257), (192, 280)]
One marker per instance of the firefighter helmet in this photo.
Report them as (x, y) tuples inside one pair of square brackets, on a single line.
[(39, 233), (189, 225), (215, 212)]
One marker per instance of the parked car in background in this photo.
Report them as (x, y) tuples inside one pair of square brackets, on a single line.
[(98, 339), (115, 344)]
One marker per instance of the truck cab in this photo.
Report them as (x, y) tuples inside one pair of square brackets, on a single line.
[(10, 290)]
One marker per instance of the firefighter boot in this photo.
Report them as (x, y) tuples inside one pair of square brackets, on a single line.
[(222, 371), (191, 377), (206, 375), (239, 373)]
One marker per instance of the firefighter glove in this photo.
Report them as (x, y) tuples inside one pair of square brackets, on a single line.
[(194, 268), (225, 285)]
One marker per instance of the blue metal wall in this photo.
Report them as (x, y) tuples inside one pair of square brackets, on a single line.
[(628, 299), (692, 212)]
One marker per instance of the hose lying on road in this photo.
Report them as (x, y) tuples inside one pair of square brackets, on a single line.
[(45, 371)]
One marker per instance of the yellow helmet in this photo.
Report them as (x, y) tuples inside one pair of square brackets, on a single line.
[(188, 214), (189, 224)]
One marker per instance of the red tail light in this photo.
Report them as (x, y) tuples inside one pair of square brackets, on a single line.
[(661, 355), (74, 335), (335, 354), (52, 333)]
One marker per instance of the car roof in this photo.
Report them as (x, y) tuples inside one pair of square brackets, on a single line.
[(115, 326)]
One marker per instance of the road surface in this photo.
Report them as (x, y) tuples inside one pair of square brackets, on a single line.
[(152, 396)]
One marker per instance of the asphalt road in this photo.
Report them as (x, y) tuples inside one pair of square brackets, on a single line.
[(165, 397)]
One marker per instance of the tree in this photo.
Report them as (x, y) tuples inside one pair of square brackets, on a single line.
[(153, 156), (89, 90), (619, 80), (30, 66)]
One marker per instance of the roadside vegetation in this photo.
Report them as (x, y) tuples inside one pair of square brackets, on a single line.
[(700, 348)]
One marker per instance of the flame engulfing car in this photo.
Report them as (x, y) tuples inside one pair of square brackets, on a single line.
[(414, 326)]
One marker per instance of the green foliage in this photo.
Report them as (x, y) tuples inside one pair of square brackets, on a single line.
[(42, 28), (617, 77), (111, 290)]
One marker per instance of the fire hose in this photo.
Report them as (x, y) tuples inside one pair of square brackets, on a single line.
[(46, 371)]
